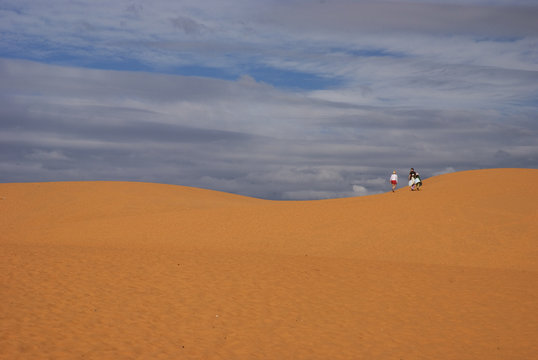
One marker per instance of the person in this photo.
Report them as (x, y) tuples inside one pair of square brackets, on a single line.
[(412, 182), (418, 181), (394, 180), (411, 178)]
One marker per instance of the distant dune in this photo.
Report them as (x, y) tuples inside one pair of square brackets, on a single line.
[(123, 270)]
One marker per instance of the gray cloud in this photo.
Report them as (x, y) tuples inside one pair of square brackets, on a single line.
[(383, 16), (438, 85), (73, 124), (188, 25)]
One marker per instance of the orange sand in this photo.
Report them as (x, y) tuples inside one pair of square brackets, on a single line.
[(115, 270)]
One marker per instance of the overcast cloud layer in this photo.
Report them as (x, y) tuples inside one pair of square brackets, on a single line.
[(274, 99)]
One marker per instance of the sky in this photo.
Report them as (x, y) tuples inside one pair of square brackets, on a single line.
[(274, 99)]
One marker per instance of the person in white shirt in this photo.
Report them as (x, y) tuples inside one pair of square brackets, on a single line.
[(418, 181), (394, 180), (411, 178)]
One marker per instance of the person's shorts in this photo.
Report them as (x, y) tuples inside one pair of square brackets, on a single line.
[(393, 182)]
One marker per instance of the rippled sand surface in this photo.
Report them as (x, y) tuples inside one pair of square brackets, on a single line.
[(118, 270)]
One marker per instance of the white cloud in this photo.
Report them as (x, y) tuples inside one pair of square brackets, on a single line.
[(360, 190)]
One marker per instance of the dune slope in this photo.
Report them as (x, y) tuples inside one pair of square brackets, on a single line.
[(116, 270)]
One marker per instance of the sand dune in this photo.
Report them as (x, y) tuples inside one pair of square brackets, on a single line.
[(119, 270)]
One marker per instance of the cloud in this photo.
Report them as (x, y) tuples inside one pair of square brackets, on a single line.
[(446, 170), (360, 190), (239, 136), (289, 36), (279, 100), (383, 16), (47, 155), (187, 25)]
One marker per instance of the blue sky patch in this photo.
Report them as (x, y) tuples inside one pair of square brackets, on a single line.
[(289, 79), (371, 52)]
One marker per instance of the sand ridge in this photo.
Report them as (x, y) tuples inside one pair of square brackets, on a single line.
[(121, 270)]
